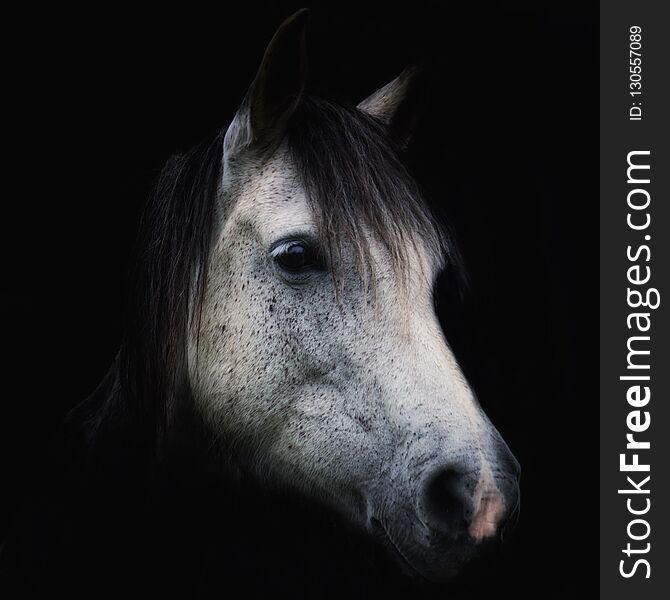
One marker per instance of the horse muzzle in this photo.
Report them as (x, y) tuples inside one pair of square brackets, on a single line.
[(449, 517)]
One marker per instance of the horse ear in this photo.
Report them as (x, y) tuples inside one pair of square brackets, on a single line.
[(394, 105), (275, 91)]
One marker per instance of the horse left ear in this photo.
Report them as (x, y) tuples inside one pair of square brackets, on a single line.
[(394, 105), (275, 91)]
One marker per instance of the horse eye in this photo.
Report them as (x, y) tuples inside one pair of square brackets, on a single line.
[(296, 257)]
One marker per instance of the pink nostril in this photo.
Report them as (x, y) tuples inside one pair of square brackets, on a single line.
[(490, 511), (457, 503), (489, 505)]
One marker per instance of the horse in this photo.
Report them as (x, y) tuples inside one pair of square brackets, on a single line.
[(281, 334)]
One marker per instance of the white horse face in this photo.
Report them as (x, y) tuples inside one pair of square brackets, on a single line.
[(341, 388)]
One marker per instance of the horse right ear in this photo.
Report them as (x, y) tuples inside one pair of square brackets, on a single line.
[(275, 92), (397, 103)]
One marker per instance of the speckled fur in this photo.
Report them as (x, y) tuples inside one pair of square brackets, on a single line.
[(341, 387), (352, 398)]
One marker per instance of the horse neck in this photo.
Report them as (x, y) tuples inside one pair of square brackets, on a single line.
[(101, 437), (116, 438)]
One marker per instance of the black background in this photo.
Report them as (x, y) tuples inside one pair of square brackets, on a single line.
[(506, 148)]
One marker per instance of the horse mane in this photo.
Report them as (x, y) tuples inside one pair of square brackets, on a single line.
[(170, 271), (356, 183), (138, 399)]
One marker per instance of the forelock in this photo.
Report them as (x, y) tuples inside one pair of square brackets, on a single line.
[(356, 184)]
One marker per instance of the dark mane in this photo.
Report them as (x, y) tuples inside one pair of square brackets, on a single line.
[(148, 382), (355, 181), (169, 273)]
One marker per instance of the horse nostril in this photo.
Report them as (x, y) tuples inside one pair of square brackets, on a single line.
[(446, 501)]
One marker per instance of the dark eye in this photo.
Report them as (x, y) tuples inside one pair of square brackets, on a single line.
[(296, 257)]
